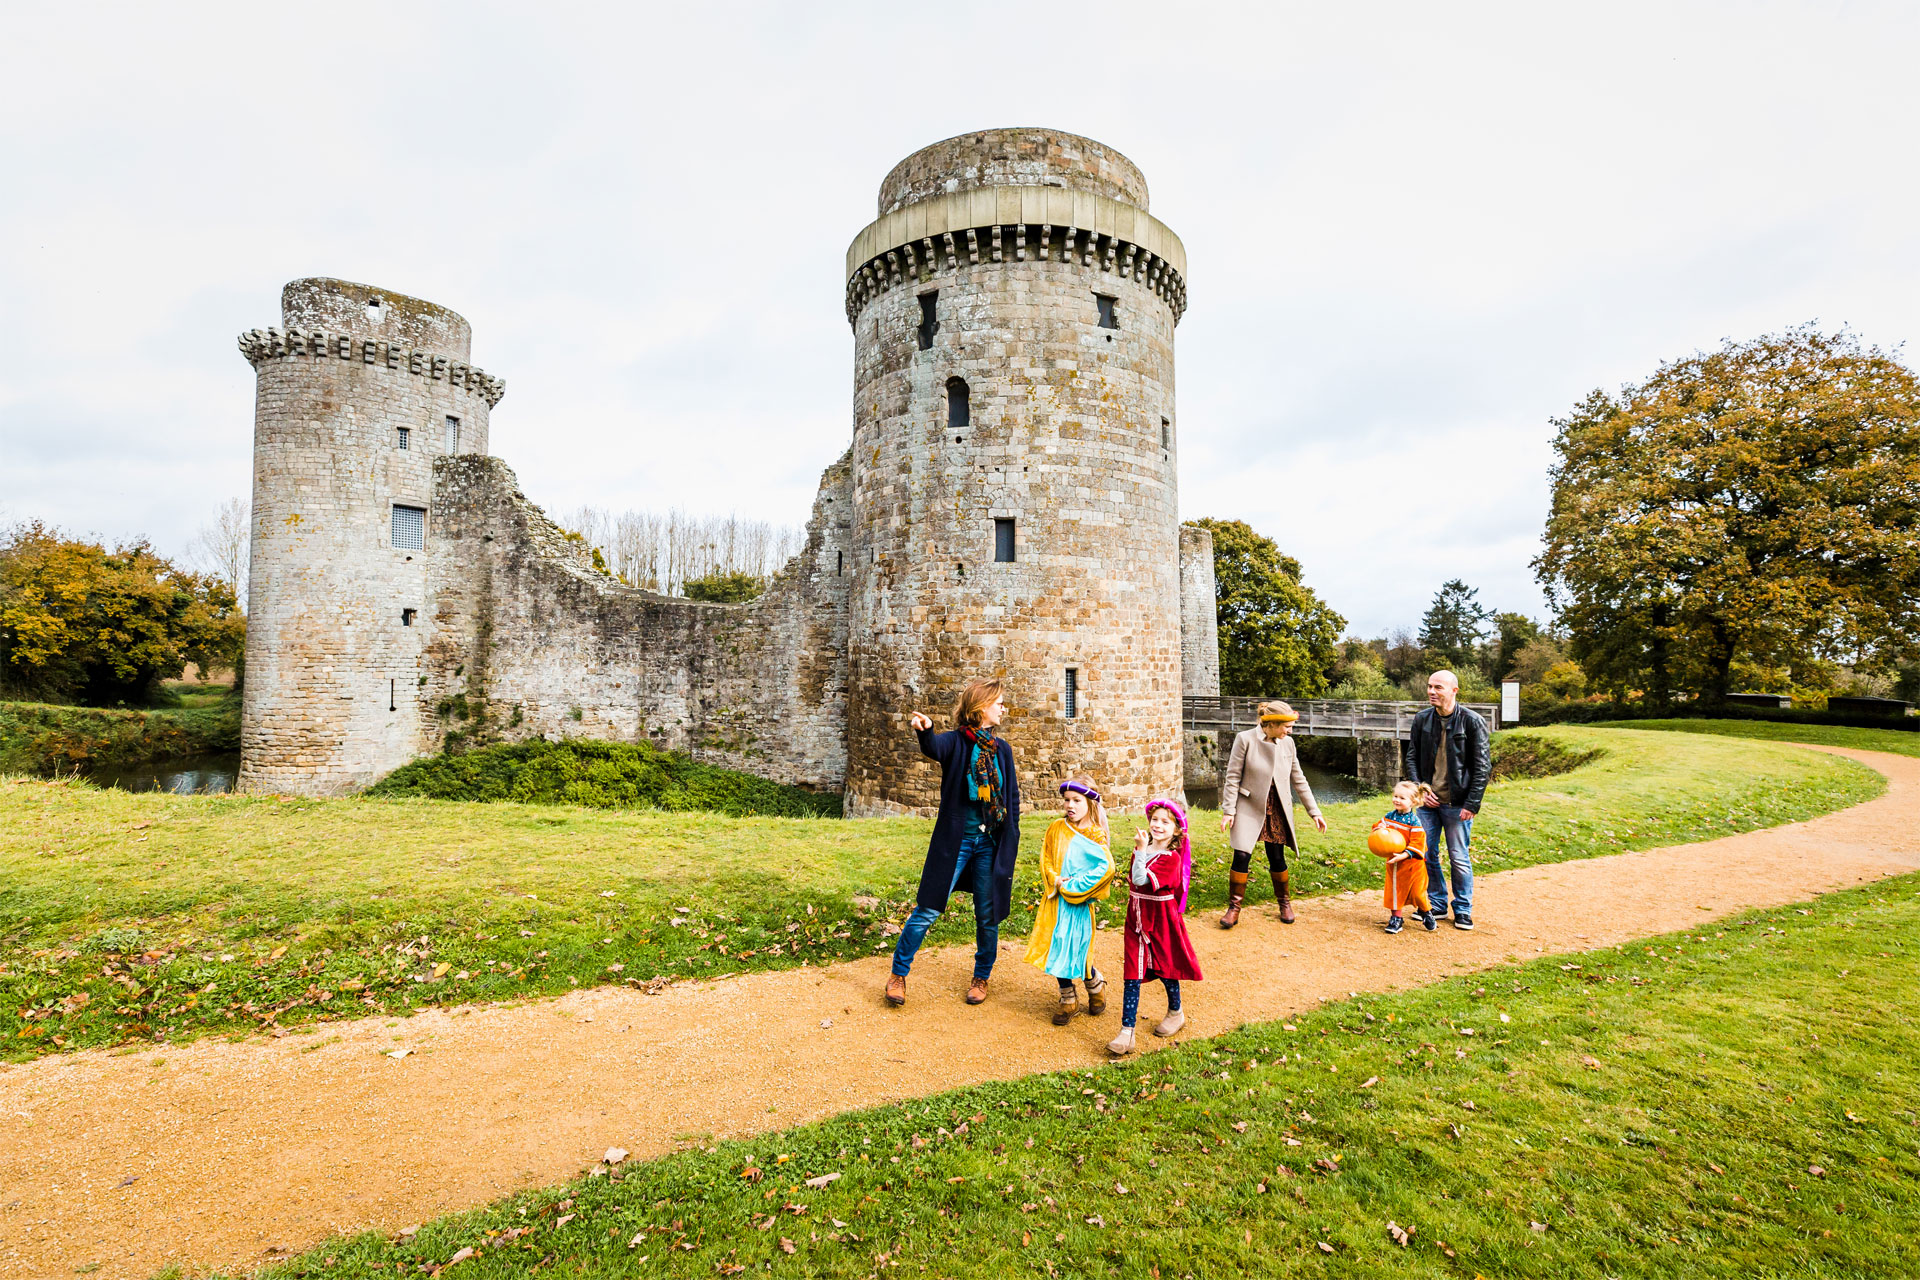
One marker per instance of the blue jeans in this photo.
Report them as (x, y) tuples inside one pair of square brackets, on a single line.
[(974, 866), (1459, 831)]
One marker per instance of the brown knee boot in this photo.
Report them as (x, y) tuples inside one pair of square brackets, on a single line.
[(1236, 894), (1282, 896)]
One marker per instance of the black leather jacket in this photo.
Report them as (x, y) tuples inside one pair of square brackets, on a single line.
[(1469, 754)]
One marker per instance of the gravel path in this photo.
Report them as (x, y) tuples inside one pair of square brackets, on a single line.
[(219, 1154)]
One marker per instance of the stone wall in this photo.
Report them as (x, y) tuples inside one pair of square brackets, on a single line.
[(333, 654), (1012, 158), (531, 641)]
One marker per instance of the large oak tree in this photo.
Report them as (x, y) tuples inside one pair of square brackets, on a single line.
[(1277, 638), (1754, 504)]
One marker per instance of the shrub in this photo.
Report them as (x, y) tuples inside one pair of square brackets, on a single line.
[(39, 738), (602, 775)]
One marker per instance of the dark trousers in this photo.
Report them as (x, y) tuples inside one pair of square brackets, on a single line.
[(973, 868)]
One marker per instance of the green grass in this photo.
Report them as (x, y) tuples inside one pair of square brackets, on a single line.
[(1896, 741), (150, 917), (601, 775), (47, 739), (1737, 1100)]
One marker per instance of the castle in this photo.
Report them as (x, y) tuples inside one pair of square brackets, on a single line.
[(1007, 505)]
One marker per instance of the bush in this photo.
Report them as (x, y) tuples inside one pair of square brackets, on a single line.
[(1534, 713), (602, 775), (1526, 755), (42, 739)]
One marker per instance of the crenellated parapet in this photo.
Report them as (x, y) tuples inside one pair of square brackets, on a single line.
[(261, 345), (920, 242)]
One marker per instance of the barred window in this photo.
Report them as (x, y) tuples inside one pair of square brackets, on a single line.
[(405, 435), (453, 434), (409, 528), (1073, 692)]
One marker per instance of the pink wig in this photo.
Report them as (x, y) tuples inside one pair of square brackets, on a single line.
[(1182, 847)]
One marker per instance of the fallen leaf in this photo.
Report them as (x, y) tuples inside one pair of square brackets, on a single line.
[(440, 971), (1370, 1082), (1398, 1233), (1325, 1165), (1118, 1189), (461, 1256), (1816, 1171), (1590, 1062), (638, 1236), (1536, 1226), (1026, 1238), (786, 1245), (1240, 1126), (825, 1179), (561, 1221), (399, 1053), (1096, 1221), (825, 1023), (615, 1155), (1260, 1189), (406, 1233), (1716, 1168), (1324, 1247)]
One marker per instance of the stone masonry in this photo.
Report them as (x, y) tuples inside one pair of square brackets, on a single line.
[(1013, 312)]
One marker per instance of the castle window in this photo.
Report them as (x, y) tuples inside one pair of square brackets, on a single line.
[(1003, 541), (929, 321), (409, 527), (453, 434), (959, 404), (1107, 319), (1073, 692), (1166, 433), (839, 563), (405, 435), (407, 616)]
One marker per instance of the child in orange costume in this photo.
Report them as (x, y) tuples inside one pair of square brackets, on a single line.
[(1407, 870)]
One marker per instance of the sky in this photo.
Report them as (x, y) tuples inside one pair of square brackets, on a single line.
[(1415, 233)]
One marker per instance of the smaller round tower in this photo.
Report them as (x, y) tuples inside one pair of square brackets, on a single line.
[(358, 391)]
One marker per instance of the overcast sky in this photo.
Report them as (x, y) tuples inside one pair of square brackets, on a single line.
[(1415, 233)]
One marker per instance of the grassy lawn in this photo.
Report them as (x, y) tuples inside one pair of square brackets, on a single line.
[(1735, 1101), (148, 917), (1896, 741)]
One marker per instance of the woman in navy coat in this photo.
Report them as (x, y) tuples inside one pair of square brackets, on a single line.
[(976, 836)]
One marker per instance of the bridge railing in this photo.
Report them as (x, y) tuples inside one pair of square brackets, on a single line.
[(1321, 717)]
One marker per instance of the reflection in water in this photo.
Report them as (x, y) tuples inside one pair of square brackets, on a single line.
[(1328, 788), (211, 774)]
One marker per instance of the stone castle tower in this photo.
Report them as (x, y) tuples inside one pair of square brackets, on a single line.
[(1007, 506), (1014, 463)]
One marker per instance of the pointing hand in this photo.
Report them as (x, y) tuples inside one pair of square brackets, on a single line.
[(920, 721)]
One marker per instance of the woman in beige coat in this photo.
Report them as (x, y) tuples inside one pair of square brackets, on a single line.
[(1253, 807)]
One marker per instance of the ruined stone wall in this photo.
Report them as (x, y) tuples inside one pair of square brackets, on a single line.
[(531, 641), (1071, 434), (333, 667), (1199, 650)]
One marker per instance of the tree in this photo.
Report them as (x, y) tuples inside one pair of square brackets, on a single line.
[(223, 549), (79, 622), (1454, 623), (1513, 632), (1756, 504), (1277, 638)]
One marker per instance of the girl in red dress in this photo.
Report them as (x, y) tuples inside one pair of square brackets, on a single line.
[(1156, 943)]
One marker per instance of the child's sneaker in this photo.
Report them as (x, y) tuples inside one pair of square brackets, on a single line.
[(1395, 924), (1426, 920)]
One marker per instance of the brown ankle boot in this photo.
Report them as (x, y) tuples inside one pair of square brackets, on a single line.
[(1282, 896), (1236, 894)]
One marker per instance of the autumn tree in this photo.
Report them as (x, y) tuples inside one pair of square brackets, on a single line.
[(1277, 638), (80, 623), (1757, 504)]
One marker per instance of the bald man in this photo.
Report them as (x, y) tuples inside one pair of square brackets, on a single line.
[(1451, 751)]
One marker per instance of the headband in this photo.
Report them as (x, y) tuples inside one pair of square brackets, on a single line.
[(1179, 814), (1082, 788), (1274, 717)]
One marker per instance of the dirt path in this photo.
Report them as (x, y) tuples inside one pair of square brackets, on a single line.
[(223, 1153)]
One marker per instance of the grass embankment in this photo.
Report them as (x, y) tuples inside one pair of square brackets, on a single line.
[(1734, 1101), (1893, 741), (601, 775), (151, 916), (45, 739)]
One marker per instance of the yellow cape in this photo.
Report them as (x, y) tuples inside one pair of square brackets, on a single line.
[(1053, 853)]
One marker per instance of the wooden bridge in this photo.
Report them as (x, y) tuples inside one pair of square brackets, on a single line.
[(1321, 717)]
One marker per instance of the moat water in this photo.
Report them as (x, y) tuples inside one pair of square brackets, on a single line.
[(1328, 788), (209, 774)]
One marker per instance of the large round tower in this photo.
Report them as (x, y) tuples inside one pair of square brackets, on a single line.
[(1014, 454), (358, 391)]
